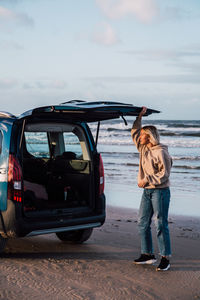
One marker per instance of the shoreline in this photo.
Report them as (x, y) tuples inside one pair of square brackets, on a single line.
[(136, 210), (171, 215), (182, 203)]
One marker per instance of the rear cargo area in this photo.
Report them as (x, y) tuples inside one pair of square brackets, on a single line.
[(57, 169)]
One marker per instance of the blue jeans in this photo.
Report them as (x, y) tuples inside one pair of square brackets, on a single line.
[(155, 201)]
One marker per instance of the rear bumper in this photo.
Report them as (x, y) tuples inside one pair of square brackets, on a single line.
[(62, 229), (27, 228)]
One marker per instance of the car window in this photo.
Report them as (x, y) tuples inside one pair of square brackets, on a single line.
[(37, 144), (51, 140), (72, 143)]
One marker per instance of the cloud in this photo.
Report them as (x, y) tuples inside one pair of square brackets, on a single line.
[(10, 45), (157, 54), (45, 84), (11, 1), (59, 84), (105, 35), (163, 54), (194, 101), (167, 79), (189, 67), (176, 13), (10, 19), (185, 59), (143, 10), (6, 83)]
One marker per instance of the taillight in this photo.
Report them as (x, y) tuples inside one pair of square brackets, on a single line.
[(101, 176), (14, 179)]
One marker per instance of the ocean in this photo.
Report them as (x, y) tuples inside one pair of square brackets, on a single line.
[(121, 160)]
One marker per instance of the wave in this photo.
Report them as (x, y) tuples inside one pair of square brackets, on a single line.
[(164, 131), (121, 164), (174, 123), (169, 133), (183, 125), (120, 153), (187, 167), (196, 178), (192, 158), (114, 165), (118, 129), (182, 143), (126, 132)]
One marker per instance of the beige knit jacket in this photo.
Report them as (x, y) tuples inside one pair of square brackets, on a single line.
[(155, 162)]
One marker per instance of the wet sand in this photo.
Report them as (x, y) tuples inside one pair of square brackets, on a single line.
[(43, 267)]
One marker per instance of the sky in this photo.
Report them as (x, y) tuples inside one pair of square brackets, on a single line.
[(143, 52)]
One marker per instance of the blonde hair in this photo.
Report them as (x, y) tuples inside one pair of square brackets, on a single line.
[(152, 131)]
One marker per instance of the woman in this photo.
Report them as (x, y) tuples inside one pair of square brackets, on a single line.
[(154, 171)]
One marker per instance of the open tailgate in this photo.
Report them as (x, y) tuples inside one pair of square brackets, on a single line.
[(88, 111)]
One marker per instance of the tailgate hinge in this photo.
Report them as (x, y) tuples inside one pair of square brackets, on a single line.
[(97, 133), (125, 122)]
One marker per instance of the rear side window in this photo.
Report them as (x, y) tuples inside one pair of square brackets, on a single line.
[(37, 144), (72, 143)]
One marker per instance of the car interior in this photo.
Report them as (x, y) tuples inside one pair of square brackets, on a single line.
[(56, 168)]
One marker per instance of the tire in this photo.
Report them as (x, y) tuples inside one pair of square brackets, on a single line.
[(77, 236), (3, 242)]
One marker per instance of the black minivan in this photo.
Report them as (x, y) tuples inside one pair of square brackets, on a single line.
[(51, 175)]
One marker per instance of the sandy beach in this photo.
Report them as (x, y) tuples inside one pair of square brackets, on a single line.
[(42, 267)]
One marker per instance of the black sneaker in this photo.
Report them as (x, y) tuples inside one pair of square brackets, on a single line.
[(164, 265), (145, 259)]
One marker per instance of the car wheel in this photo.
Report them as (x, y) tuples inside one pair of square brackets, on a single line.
[(3, 242), (77, 236)]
